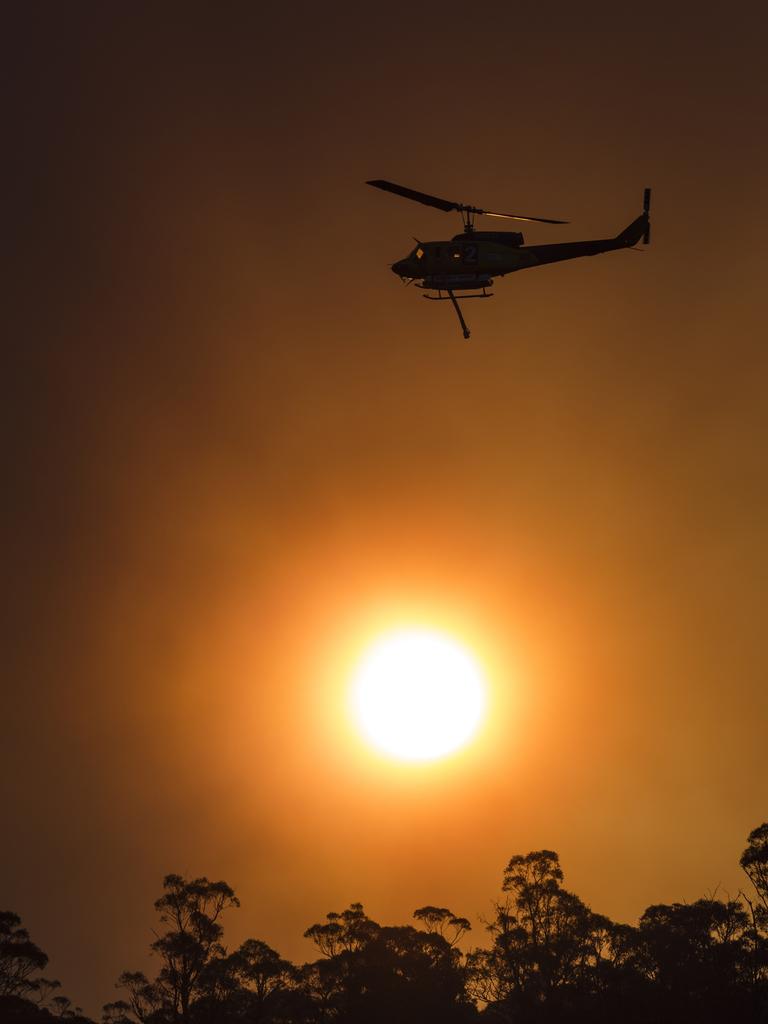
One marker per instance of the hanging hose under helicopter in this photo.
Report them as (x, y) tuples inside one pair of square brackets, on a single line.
[(456, 282)]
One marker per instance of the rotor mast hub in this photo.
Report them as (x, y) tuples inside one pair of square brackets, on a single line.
[(468, 218)]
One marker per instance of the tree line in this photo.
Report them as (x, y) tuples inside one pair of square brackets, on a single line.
[(548, 958)]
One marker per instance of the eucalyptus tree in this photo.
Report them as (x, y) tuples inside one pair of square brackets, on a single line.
[(376, 974), (253, 984), (754, 861), (550, 953), (696, 959), (25, 996), (20, 958), (443, 922), (191, 912)]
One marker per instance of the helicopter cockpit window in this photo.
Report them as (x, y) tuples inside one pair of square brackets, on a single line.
[(419, 253)]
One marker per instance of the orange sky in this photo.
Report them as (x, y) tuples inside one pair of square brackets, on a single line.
[(239, 445)]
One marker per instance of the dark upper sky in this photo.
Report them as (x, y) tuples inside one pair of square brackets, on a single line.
[(237, 446)]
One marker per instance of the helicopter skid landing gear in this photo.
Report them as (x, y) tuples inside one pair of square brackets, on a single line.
[(442, 298)]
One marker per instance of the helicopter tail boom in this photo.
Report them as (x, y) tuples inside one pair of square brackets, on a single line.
[(640, 228)]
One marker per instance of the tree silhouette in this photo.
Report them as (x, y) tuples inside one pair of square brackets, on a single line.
[(254, 983), (191, 912), (44, 989), (443, 922), (550, 960), (548, 948), (20, 959), (375, 974), (116, 1013), (754, 861), (345, 932), (145, 998), (695, 958)]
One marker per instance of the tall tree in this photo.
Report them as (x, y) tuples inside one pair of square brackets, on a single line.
[(696, 960), (25, 998), (374, 974), (754, 861), (191, 911), (20, 958), (550, 953), (347, 931), (253, 984), (146, 999)]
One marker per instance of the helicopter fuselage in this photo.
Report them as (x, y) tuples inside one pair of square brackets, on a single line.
[(474, 258), (468, 256)]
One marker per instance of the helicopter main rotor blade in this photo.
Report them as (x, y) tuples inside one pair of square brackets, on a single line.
[(418, 197), (517, 216), (447, 205)]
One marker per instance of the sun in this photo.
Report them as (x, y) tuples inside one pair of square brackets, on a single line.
[(418, 695)]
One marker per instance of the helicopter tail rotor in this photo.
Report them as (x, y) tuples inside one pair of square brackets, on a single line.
[(646, 212)]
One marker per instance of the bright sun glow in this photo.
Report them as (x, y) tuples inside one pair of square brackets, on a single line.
[(418, 695)]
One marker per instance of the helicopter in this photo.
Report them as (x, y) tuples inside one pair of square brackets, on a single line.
[(470, 261)]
